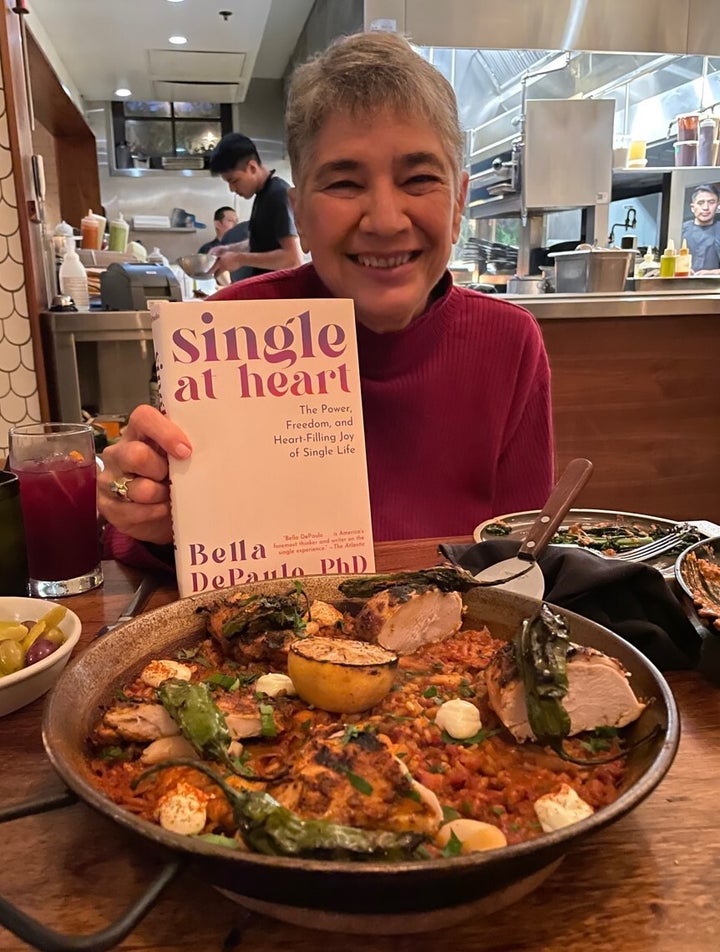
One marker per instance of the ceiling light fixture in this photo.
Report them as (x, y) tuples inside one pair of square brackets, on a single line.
[(123, 92), (177, 40)]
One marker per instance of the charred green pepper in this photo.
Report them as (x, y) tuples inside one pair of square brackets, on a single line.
[(271, 828)]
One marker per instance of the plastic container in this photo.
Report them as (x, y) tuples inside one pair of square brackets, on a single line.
[(667, 261), (621, 148), (637, 154), (73, 280), (688, 126), (119, 233), (686, 152), (157, 257), (90, 232), (706, 142), (683, 261)]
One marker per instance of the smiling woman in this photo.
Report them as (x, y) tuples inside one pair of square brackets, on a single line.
[(455, 384)]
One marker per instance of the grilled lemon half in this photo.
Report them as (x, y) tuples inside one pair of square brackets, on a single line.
[(339, 675)]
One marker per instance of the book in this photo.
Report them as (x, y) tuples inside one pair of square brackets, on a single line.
[(268, 394)]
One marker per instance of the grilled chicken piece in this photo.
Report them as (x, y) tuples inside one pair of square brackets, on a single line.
[(135, 722), (266, 646), (403, 619), (599, 694), (358, 781)]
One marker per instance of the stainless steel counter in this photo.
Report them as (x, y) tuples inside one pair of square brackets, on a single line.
[(628, 304), (96, 357)]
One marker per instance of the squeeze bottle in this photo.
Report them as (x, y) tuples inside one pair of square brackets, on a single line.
[(683, 262), (645, 264), (119, 231), (667, 261), (90, 232), (73, 280)]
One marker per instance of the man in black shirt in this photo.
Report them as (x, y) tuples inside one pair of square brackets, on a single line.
[(273, 243), (225, 221)]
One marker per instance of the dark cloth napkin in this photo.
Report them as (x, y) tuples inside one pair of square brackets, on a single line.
[(630, 598)]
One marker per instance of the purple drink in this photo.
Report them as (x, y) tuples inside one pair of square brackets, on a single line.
[(59, 511), (55, 465)]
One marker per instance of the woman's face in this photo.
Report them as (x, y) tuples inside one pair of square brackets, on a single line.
[(379, 209)]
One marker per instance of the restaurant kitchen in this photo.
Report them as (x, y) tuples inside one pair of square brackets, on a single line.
[(634, 69)]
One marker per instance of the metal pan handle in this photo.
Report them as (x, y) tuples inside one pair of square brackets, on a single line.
[(47, 940)]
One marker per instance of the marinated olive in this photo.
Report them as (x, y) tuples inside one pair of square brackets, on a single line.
[(38, 650), (11, 657)]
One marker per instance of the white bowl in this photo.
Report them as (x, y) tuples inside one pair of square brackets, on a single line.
[(19, 689)]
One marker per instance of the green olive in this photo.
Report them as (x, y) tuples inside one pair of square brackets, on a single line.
[(12, 657)]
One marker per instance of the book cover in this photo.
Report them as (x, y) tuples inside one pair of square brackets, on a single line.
[(268, 393)]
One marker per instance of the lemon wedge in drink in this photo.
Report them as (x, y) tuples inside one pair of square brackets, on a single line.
[(339, 675)]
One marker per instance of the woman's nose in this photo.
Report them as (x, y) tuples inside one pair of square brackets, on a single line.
[(385, 211)]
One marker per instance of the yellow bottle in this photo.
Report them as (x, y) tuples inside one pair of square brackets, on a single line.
[(667, 261), (683, 262)]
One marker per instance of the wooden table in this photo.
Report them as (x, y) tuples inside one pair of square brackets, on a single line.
[(650, 882)]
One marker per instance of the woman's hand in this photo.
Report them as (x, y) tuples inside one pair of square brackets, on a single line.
[(139, 462)]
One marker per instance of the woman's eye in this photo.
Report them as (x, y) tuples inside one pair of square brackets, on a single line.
[(422, 180), (343, 183)]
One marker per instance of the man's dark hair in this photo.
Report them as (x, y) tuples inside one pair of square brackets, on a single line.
[(232, 151), (220, 212), (704, 188)]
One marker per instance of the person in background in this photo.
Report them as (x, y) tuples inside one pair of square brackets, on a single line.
[(272, 241), (455, 383), (225, 221), (703, 232)]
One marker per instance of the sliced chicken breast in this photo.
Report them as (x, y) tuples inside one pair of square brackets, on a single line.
[(403, 619), (599, 694)]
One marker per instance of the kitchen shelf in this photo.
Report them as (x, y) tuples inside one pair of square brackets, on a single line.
[(176, 231)]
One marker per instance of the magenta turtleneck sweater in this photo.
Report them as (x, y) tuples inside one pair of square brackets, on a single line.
[(456, 408)]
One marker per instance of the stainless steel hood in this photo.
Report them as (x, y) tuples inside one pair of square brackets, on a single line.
[(632, 26)]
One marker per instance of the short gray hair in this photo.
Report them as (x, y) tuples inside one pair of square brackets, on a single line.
[(360, 74)]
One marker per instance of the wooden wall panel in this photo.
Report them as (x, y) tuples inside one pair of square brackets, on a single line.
[(640, 398)]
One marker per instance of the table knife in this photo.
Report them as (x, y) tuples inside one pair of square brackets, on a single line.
[(134, 606)]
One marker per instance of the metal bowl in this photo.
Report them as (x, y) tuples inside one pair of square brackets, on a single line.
[(197, 266), (368, 896), (691, 580)]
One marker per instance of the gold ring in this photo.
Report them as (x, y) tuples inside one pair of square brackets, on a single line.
[(120, 487)]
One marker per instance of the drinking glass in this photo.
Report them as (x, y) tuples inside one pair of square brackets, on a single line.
[(13, 558), (55, 464)]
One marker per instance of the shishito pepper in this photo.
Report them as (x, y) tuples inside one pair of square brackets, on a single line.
[(541, 651), (201, 721), (271, 828)]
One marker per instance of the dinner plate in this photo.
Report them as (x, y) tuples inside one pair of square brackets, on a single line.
[(520, 522)]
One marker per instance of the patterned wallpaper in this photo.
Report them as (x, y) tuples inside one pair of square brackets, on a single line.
[(19, 401)]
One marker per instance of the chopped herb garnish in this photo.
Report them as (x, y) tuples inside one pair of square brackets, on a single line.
[(466, 689), (498, 810), (115, 753), (412, 794), (225, 681), (360, 783), (187, 654), (595, 745), (437, 768), (203, 661), (268, 727), (478, 738), (449, 813), (453, 846), (432, 691)]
